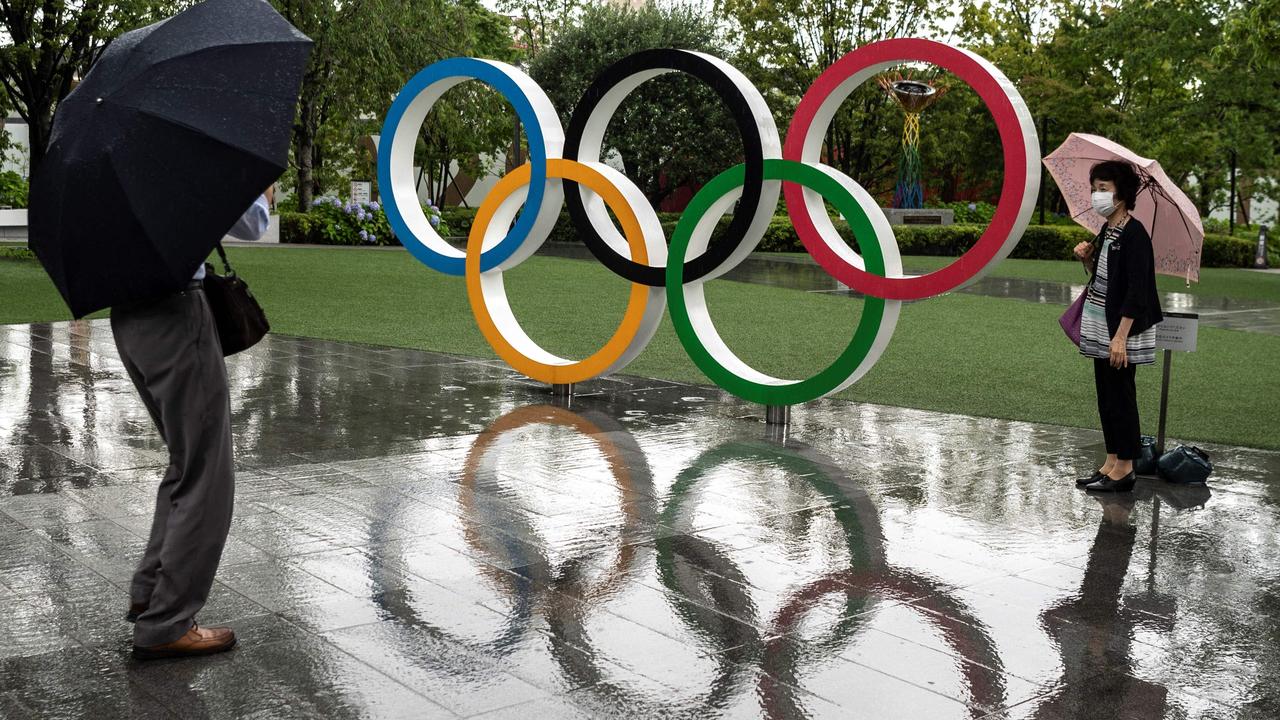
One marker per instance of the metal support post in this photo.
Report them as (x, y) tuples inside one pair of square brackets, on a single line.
[(777, 415), (1164, 402)]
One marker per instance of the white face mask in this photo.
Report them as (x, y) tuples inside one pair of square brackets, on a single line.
[(1103, 203)]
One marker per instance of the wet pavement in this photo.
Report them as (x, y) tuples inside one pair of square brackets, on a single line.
[(422, 535), (800, 272)]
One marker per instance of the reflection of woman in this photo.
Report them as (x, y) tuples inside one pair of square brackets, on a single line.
[(1093, 633), (1117, 323)]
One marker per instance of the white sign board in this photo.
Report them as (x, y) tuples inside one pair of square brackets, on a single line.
[(361, 191), (1178, 332)]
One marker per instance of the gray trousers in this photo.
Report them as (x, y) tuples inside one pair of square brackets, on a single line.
[(170, 349)]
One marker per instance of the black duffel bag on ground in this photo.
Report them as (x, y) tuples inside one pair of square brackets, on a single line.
[(240, 319), (1185, 465)]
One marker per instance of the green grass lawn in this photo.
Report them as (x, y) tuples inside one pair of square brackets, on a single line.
[(1214, 282), (957, 353)]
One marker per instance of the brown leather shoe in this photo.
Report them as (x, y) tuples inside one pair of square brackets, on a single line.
[(197, 641)]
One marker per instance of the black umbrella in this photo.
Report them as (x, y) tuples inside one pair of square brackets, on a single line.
[(174, 132)]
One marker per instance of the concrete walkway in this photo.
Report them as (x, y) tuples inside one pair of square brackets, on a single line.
[(427, 536)]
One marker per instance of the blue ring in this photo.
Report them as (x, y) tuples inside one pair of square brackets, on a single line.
[(483, 71)]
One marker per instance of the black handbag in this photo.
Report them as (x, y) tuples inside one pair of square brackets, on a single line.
[(240, 320), (1185, 465)]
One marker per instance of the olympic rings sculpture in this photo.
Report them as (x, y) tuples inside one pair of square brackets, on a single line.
[(517, 216)]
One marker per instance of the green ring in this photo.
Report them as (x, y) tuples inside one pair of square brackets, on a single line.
[(872, 309)]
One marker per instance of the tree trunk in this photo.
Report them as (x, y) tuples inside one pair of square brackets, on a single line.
[(40, 127), (317, 166), (306, 145)]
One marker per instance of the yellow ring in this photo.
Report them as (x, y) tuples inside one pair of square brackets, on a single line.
[(617, 345)]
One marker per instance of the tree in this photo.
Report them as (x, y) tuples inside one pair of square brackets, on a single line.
[(471, 122), (671, 132), (1184, 94), (48, 44), (364, 52), (784, 44), (538, 22), (1246, 88)]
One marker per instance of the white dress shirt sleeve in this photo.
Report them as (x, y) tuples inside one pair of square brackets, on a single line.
[(253, 224)]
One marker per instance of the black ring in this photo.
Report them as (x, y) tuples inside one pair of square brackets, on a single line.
[(753, 157)]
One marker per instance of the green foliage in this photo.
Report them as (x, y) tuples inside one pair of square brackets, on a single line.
[(458, 220), (13, 190), (333, 222), (784, 44), (45, 45), (1214, 225), (1039, 242), (538, 22), (1227, 251), (471, 124), (671, 132), (295, 227), (979, 214), (1188, 82), (17, 253), (364, 52)]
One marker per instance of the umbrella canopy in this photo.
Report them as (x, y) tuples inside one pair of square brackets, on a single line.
[(174, 132), (1173, 221)]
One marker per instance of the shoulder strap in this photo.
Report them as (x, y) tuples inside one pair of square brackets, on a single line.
[(226, 264)]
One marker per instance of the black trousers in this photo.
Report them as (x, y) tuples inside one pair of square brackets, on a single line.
[(1118, 409), (170, 349)]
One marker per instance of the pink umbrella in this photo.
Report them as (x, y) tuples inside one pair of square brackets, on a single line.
[(1167, 213)]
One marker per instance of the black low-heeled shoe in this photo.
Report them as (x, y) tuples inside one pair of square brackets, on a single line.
[(1107, 484), (1095, 477)]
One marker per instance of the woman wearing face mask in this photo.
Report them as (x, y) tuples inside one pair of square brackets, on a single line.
[(1117, 325)]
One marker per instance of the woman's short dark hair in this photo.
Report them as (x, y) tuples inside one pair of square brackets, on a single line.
[(1123, 175)]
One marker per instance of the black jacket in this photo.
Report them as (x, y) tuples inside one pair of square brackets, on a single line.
[(1131, 279)]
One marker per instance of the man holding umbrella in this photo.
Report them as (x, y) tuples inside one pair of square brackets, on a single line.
[(152, 159)]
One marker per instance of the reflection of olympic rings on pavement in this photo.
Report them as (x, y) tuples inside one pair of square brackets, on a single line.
[(621, 453), (963, 632), (566, 618), (500, 238), (707, 591), (706, 585), (867, 578)]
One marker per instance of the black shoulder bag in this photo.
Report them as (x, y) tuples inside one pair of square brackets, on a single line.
[(240, 319)]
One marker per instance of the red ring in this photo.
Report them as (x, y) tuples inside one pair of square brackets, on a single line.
[(1001, 106)]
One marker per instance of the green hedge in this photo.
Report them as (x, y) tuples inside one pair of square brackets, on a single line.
[(334, 222), (458, 219), (1039, 242), (14, 252)]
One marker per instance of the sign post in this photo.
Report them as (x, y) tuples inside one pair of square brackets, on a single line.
[(1260, 260), (1177, 332), (361, 191)]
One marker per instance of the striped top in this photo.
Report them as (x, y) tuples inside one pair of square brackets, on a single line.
[(1095, 337)]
